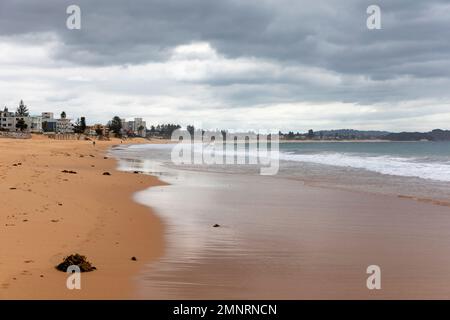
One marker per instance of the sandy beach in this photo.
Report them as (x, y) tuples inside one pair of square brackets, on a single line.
[(47, 214)]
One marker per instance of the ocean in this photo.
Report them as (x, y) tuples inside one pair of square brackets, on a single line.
[(417, 169)]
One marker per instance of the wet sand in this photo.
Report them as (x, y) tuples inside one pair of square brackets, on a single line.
[(46, 215), (283, 239)]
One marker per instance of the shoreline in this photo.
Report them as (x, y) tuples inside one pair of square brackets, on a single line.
[(47, 215), (345, 141)]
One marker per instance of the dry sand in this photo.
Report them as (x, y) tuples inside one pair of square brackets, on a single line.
[(46, 215)]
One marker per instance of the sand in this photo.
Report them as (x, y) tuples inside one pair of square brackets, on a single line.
[(46, 215)]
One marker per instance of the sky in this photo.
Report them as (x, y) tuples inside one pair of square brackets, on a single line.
[(232, 64)]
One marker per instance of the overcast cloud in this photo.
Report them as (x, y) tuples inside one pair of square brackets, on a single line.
[(287, 64)]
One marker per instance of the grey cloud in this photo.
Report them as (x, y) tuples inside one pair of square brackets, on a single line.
[(408, 59), (329, 34)]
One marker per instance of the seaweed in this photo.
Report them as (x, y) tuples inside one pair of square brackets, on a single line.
[(77, 260)]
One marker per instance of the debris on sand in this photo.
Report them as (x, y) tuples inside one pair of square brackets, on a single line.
[(106, 173), (216, 225), (133, 258), (77, 260), (69, 171)]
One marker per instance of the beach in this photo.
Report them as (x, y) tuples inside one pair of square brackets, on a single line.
[(296, 235), (47, 214)]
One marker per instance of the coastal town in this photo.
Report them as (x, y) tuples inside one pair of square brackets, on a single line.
[(21, 123)]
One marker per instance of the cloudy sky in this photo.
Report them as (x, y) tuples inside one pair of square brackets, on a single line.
[(260, 64)]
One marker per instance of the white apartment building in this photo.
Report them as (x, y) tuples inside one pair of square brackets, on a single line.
[(8, 120), (64, 125), (138, 123), (36, 124), (134, 126)]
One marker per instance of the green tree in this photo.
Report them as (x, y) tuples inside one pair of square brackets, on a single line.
[(76, 126), (22, 110), (99, 132), (80, 125), (116, 125), (191, 130), (63, 115), (141, 130), (20, 124), (83, 124)]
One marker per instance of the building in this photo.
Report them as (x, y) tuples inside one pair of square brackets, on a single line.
[(139, 127), (99, 129), (9, 120), (48, 122), (47, 115), (36, 124), (136, 127), (62, 125), (124, 123)]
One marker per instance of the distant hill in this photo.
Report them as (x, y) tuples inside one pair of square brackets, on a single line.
[(352, 134), (435, 135)]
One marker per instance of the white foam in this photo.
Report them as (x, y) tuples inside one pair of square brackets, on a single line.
[(406, 167)]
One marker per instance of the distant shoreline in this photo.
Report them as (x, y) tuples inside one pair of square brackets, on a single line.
[(344, 141)]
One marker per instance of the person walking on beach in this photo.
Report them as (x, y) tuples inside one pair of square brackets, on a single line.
[(93, 143)]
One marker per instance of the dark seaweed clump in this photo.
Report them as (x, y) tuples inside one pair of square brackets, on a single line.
[(77, 260)]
